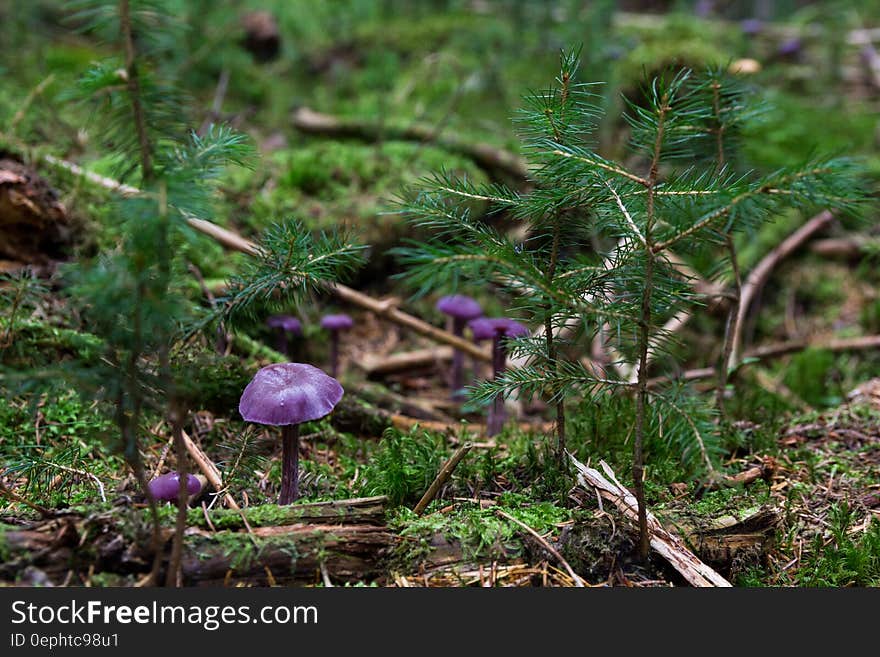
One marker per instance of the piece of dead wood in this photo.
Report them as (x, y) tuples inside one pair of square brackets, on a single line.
[(493, 160), (667, 545), (294, 553), (35, 227), (405, 423), (382, 398), (234, 241), (726, 538), (350, 549), (12, 496), (212, 474), (445, 472), (756, 279), (776, 350), (380, 365), (850, 247), (354, 511), (262, 36)]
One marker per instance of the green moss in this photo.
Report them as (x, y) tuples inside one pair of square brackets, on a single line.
[(242, 549), (671, 41), (848, 559), (211, 382), (404, 465), (37, 345), (734, 501), (480, 533), (346, 185), (793, 129)]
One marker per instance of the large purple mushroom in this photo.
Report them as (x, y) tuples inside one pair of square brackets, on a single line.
[(460, 309), (335, 324), (497, 329), (167, 486), (286, 395), (287, 327)]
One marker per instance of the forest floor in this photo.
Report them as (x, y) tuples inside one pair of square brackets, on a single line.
[(797, 498)]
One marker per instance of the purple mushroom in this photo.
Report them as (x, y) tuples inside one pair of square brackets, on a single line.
[(285, 395), (287, 327), (335, 324), (751, 26), (790, 49), (167, 486), (460, 309), (498, 330)]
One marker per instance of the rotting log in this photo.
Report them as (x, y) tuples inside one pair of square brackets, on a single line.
[(294, 554), (347, 538), (355, 511), (721, 541), (407, 360)]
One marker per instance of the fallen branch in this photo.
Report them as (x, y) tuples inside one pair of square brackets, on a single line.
[(851, 247), (668, 546), (759, 275), (441, 478), (493, 160), (405, 423), (770, 351), (407, 360), (12, 496), (212, 474)]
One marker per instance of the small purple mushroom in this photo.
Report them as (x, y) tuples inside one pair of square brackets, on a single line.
[(460, 308), (167, 486), (287, 328), (790, 49), (751, 26), (497, 329), (285, 395), (335, 324)]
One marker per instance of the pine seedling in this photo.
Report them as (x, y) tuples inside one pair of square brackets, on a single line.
[(600, 260), (132, 297)]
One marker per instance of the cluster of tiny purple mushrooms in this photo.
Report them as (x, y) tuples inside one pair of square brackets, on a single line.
[(465, 311), (288, 329), (288, 394)]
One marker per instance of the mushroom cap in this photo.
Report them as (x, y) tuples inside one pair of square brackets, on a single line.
[(289, 393), (286, 323), (336, 322), (486, 328), (751, 26), (167, 486), (459, 306), (791, 47)]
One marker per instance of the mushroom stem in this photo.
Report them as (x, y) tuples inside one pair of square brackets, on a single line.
[(457, 376), (497, 413), (282, 345), (289, 464), (334, 353)]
